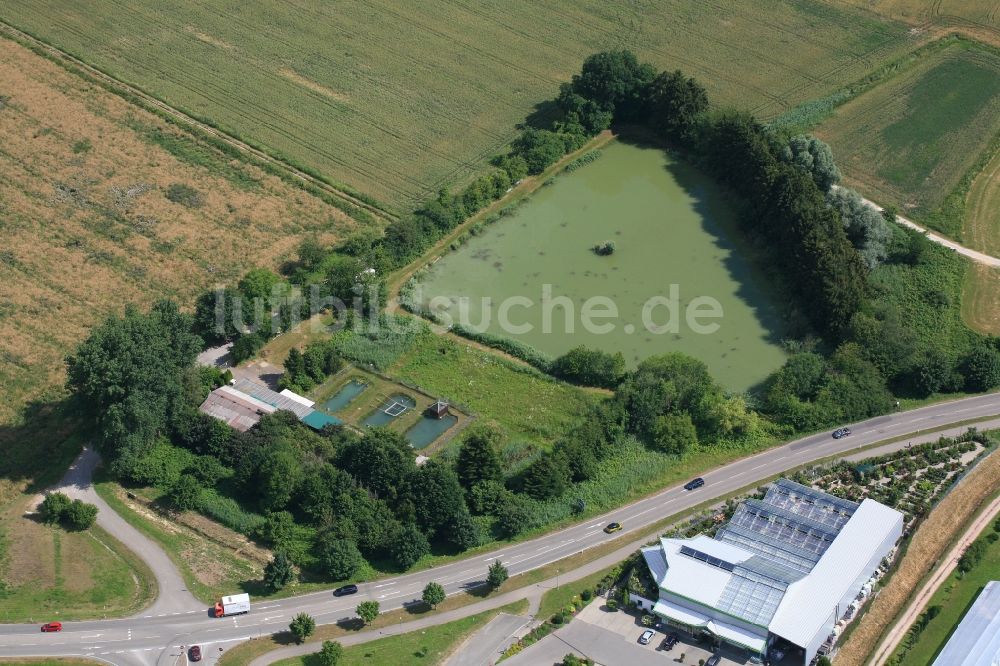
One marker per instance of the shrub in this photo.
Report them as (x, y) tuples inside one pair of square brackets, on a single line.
[(604, 249), (80, 515), (53, 507), (185, 195), (496, 575), (433, 594), (330, 654), (184, 493), (279, 572)]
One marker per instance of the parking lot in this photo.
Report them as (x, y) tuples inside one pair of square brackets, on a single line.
[(626, 629)]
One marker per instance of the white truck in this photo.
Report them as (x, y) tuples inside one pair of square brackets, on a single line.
[(237, 604)]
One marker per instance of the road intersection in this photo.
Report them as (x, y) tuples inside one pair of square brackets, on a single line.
[(155, 636)]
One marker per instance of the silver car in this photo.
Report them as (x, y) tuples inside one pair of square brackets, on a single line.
[(647, 636)]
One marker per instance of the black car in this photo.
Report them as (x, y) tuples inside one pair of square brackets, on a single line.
[(841, 432), (669, 642), (713, 660), (694, 483), (345, 590)]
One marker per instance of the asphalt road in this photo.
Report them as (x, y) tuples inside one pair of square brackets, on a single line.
[(155, 638)]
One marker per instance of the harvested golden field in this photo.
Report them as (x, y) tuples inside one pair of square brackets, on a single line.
[(103, 204), (944, 523), (976, 18), (981, 299)]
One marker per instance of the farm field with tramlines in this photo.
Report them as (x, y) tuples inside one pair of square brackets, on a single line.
[(920, 139), (397, 100)]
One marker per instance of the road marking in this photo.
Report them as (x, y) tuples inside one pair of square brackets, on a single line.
[(757, 467), (92, 636), (273, 617), (594, 525), (383, 585)]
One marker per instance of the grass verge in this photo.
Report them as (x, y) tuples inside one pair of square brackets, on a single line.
[(416, 648)]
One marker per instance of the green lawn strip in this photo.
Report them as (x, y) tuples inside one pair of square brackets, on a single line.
[(425, 646), (954, 597), (530, 406), (563, 595)]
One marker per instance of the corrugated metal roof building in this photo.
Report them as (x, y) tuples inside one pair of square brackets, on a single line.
[(787, 566), (976, 641), (242, 404)]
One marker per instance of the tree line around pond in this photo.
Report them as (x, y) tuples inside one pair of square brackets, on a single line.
[(330, 501)]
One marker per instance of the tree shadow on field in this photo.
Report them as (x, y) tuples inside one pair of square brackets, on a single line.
[(541, 115), (38, 446)]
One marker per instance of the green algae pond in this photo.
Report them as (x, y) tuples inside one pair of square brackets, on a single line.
[(676, 280)]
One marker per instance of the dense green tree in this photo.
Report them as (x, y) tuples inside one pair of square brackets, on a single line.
[(277, 477), (320, 485), (439, 503), (496, 575), (262, 284), (515, 166), (670, 383), (128, 376), (674, 103), (539, 148), (302, 627), (246, 346), (433, 594), (367, 611), (488, 497), (548, 476), (813, 157), (577, 110), (408, 545), (615, 81), (79, 515), (184, 493), (590, 367), (276, 529), (867, 230), (53, 508), (674, 433), (338, 558), (279, 571), (478, 457), (932, 371), (381, 461), (214, 316), (981, 368), (515, 516), (330, 654)]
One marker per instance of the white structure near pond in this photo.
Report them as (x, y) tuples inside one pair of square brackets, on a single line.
[(788, 567)]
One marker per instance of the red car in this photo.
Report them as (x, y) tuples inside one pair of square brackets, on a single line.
[(194, 653), (52, 626)]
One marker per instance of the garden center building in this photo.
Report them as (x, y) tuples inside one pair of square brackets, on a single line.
[(789, 566)]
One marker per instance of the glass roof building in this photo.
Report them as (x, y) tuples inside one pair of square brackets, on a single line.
[(786, 566)]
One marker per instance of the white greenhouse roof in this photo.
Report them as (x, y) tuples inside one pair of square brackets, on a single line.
[(976, 641), (692, 578), (691, 618), (810, 603)]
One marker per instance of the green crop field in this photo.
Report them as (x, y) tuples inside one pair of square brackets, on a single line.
[(912, 140), (399, 99)]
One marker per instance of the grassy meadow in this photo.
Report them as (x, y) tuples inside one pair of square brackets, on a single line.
[(397, 100), (912, 140)]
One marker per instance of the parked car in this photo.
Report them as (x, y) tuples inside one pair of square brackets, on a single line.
[(194, 654), (613, 527), (647, 636), (775, 655), (345, 590), (52, 626), (669, 642), (841, 432), (694, 483), (713, 660)]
